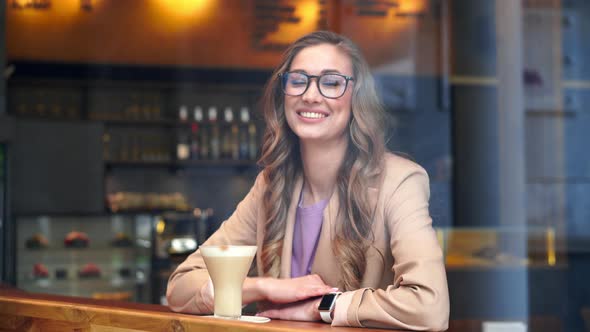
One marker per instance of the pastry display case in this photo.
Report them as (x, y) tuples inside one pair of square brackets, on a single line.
[(106, 256)]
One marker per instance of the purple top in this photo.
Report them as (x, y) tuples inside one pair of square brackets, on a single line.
[(308, 224)]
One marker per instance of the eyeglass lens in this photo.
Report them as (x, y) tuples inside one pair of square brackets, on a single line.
[(330, 85)]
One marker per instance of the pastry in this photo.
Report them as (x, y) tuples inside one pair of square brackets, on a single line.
[(40, 271), (89, 270), (37, 241), (76, 240)]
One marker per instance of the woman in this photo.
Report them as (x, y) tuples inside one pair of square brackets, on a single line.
[(331, 208)]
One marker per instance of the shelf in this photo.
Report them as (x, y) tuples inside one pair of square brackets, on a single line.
[(106, 213), (165, 123), (138, 122), (64, 285), (92, 250), (183, 163), (123, 76), (101, 279), (506, 267)]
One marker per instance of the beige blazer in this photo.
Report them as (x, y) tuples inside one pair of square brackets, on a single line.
[(404, 285)]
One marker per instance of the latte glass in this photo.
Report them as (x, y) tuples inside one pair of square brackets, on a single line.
[(228, 267)]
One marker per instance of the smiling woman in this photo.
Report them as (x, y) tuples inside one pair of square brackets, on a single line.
[(331, 210)]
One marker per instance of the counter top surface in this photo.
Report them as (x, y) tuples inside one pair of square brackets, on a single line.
[(22, 311)]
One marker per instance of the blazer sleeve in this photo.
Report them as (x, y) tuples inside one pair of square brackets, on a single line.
[(186, 285), (418, 297)]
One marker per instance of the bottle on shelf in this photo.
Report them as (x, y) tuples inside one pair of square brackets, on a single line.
[(146, 107), (156, 109), (204, 139), (252, 142), (214, 139), (183, 113), (198, 114), (243, 133), (40, 107), (106, 146), (135, 146), (195, 145), (164, 150), (196, 139), (226, 140), (132, 111), (182, 146), (147, 147), (123, 147), (72, 107), (55, 108), (235, 145)]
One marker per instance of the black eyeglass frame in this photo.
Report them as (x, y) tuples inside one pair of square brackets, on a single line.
[(317, 82)]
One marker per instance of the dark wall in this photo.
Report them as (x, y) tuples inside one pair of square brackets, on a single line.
[(2, 57), (6, 226), (576, 134), (57, 168)]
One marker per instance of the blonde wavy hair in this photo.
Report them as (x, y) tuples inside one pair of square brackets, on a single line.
[(282, 164)]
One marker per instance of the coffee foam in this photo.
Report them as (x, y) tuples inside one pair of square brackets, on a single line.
[(228, 251)]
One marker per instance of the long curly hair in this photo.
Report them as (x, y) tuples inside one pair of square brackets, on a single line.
[(282, 164)]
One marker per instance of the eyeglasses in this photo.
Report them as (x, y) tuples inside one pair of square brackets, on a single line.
[(329, 85)]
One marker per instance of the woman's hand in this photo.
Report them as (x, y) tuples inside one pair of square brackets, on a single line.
[(293, 289), (304, 311), (290, 290), (273, 290)]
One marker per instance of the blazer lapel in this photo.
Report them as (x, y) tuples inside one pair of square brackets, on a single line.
[(290, 225), (324, 262)]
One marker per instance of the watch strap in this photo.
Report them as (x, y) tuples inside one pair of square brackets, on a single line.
[(326, 315)]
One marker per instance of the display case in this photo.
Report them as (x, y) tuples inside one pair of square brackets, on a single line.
[(107, 256), (502, 273), (177, 235), (491, 247)]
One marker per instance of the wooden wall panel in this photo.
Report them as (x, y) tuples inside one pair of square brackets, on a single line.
[(203, 33)]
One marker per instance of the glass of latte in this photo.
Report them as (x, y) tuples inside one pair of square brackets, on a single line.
[(228, 267)]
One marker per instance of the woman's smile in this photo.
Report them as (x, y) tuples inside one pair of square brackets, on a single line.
[(308, 114)]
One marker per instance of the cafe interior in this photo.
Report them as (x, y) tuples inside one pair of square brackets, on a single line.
[(130, 130)]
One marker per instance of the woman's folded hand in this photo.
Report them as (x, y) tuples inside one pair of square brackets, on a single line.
[(293, 289)]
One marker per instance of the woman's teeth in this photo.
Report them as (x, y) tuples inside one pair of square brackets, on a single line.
[(312, 115)]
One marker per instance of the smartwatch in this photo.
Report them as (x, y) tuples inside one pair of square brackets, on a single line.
[(327, 304)]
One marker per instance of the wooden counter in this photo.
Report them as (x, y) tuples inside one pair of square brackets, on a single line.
[(21, 311)]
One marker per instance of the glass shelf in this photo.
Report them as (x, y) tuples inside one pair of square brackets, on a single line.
[(86, 250), (85, 287), (65, 282), (181, 163)]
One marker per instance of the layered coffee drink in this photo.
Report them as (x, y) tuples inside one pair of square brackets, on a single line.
[(228, 267)]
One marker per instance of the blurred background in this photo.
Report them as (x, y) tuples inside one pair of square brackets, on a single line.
[(129, 130)]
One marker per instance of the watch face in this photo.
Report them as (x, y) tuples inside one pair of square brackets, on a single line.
[(327, 300)]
